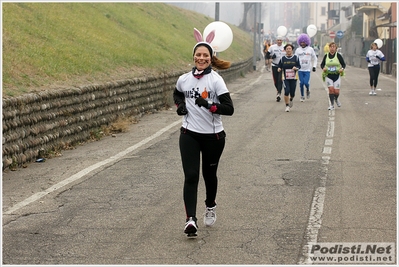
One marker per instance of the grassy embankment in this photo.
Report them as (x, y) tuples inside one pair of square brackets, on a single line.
[(58, 45)]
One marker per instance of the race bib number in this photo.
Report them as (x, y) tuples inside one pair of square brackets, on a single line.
[(332, 69), (289, 74)]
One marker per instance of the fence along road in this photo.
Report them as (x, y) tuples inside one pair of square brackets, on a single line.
[(285, 179)]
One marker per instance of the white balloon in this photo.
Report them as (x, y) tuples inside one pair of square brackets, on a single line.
[(282, 31), (379, 43), (223, 35), (311, 30)]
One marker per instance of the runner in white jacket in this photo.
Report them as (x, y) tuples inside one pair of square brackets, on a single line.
[(374, 56), (308, 60), (276, 52)]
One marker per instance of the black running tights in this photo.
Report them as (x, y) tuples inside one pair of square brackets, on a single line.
[(278, 82), (374, 72), (191, 147)]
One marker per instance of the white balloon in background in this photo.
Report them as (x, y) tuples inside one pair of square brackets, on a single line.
[(282, 31), (311, 30), (379, 43), (223, 35)]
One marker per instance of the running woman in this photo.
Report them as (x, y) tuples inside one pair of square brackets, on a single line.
[(308, 60), (266, 46), (333, 66), (289, 65), (374, 56), (276, 52), (201, 97)]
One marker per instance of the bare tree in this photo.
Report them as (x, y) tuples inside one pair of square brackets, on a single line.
[(244, 24)]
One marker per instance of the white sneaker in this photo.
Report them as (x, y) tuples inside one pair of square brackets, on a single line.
[(338, 103), (371, 92), (210, 216), (302, 98), (287, 109), (331, 108), (374, 92)]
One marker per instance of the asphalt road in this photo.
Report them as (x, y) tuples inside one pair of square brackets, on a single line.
[(285, 179)]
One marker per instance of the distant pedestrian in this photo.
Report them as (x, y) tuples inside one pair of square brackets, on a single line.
[(316, 48), (308, 60), (201, 97), (333, 66), (374, 56), (327, 48), (266, 46), (276, 52), (288, 66)]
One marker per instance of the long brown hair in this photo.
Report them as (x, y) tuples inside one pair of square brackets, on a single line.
[(220, 64), (215, 62)]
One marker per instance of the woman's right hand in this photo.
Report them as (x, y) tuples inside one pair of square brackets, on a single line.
[(181, 109)]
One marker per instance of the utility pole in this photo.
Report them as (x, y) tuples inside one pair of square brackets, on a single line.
[(260, 28), (255, 31), (216, 16), (217, 11)]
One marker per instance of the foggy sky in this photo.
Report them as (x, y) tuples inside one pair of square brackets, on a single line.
[(230, 12)]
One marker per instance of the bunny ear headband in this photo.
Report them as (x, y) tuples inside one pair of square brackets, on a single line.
[(200, 41)]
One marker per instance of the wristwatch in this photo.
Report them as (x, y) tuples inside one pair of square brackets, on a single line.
[(210, 103)]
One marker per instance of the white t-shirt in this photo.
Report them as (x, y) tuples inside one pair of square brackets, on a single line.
[(200, 119), (278, 51), (372, 55), (307, 58)]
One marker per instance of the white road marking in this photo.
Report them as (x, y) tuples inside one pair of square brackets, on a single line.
[(326, 150), (317, 206), (330, 129), (328, 142), (87, 170)]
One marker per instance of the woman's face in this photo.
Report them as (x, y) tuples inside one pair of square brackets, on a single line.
[(288, 50), (333, 48), (202, 58), (374, 47)]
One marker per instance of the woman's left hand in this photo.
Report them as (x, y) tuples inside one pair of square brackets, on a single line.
[(201, 102)]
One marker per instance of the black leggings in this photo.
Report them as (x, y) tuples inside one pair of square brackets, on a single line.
[(374, 72), (278, 83), (191, 145), (289, 88)]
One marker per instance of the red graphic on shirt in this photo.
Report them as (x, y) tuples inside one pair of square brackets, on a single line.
[(204, 94)]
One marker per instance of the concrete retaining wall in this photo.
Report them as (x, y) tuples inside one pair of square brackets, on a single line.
[(52, 120)]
